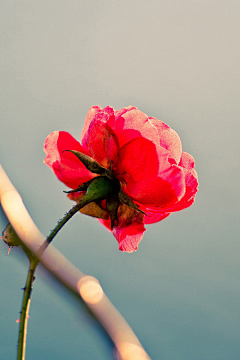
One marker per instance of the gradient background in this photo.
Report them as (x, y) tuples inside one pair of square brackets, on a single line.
[(177, 60)]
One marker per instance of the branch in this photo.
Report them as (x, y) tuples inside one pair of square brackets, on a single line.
[(86, 287)]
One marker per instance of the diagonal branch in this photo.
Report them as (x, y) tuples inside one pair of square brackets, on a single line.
[(86, 287)]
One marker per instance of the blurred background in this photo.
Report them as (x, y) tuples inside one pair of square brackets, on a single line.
[(179, 62)]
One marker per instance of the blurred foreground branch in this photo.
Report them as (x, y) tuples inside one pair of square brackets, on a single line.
[(87, 287)]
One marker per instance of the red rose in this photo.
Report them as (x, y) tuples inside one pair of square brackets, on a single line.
[(142, 154)]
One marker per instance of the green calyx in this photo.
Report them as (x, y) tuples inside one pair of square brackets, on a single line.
[(98, 189), (103, 187), (91, 164)]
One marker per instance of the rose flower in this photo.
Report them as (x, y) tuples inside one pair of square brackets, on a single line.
[(139, 162)]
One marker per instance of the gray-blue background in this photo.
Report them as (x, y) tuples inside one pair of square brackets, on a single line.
[(175, 60)]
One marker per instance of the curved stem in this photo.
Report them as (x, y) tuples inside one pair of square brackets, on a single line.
[(34, 260), (58, 227)]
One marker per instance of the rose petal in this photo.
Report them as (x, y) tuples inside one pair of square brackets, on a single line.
[(101, 141), (67, 167), (96, 112), (191, 190), (131, 123), (186, 161), (130, 228), (147, 176), (129, 237), (191, 183), (138, 159), (152, 216), (106, 223), (90, 115), (119, 113), (169, 139)]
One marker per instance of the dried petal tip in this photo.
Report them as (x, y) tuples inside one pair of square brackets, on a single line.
[(125, 199), (10, 237)]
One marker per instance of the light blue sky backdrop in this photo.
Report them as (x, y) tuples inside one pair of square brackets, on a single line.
[(177, 61)]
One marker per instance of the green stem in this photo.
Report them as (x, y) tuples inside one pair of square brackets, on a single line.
[(34, 260), (25, 311), (58, 227)]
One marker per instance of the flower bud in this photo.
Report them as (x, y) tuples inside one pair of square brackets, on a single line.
[(10, 237)]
